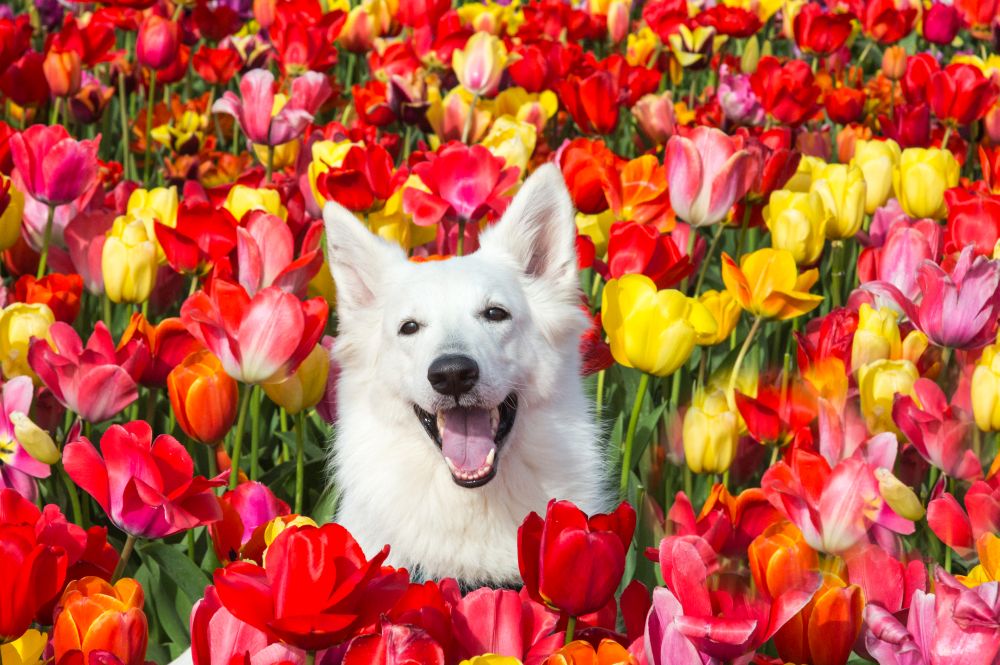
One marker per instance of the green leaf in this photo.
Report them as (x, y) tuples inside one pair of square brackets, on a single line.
[(174, 564)]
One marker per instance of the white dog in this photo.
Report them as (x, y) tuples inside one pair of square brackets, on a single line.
[(460, 396)]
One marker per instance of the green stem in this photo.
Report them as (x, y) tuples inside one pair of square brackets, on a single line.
[(744, 228), (460, 243), (310, 658), (300, 455), (570, 629), (74, 496), (630, 434), (123, 111), (106, 310), (467, 130), (599, 406), (149, 124), (730, 394), (123, 561), (54, 115), (947, 137), (692, 237), (837, 272), (254, 432), (234, 471), (46, 239), (269, 167), (708, 259)]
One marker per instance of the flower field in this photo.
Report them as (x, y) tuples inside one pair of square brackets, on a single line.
[(788, 244)]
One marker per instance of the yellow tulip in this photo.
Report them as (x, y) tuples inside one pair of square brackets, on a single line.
[(692, 48), (511, 140), (767, 284), (726, 312), (921, 178), (986, 389), (877, 160), (491, 659), (842, 189), (159, 203), (25, 650), (322, 286), (11, 215), (394, 225), (480, 64), (35, 441), (186, 137), (279, 524), (642, 47), (711, 431), (597, 228), (797, 223), (305, 387), (448, 116), (764, 9), (877, 336), (535, 108), (128, 261), (652, 331), (988, 569), (802, 179), (242, 199), (878, 383), (903, 500), (20, 322), (491, 17)]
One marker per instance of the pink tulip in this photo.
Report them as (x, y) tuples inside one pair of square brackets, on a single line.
[(896, 246), (158, 42), (53, 167), (958, 310), (253, 111), (217, 638), (265, 250), (84, 237), (147, 487), (736, 98), (937, 430), (97, 381), (959, 530), (889, 642), (506, 623), (263, 338), (705, 170), (883, 579), (656, 117), (664, 643), (20, 467)]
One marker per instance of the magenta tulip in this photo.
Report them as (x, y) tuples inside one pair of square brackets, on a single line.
[(889, 642), (937, 430), (957, 310), (706, 172), (147, 487), (253, 111), (97, 381), (53, 167), (158, 43), (896, 246)]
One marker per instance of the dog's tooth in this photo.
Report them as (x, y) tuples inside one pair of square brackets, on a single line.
[(451, 466), (489, 459), (440, 421)]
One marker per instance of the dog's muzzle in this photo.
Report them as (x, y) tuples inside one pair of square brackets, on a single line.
[(470, 438)]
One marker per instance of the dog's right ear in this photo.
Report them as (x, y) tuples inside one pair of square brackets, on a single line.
[(356, 256)]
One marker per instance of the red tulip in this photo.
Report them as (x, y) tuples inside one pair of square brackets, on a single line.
[(15, 38), (938, 430), (158, 43), (168, 343), (316, 588), (371, 101), (642, 249), (97, 381), (919, 69), (34, 567), (726, 522), (787, 92), (989, 160), (845, 105), (246, 511), (973, 218), (304, 42), (258, 339), (265, 251), (54, 167), (594, 101), (146, 487), (60, 292), (910, 127), (364, 178), (589, 169), (394, 643), (959, 530), (776, 416), (427, 606), (202, 235), (731, 21), (977, 14), (886, 21), (219, 637), (960, 93), (24, 80), (506, 623), (216, 65), (885, 580), (555, 553), (821, 32), (595, 352), (941, 23)]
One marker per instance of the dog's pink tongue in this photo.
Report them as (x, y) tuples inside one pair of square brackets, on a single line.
[(467, 438)]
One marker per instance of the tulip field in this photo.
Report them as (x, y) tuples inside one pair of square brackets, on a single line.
[(788, 243)]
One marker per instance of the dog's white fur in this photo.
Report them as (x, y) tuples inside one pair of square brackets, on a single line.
[(394, 484)]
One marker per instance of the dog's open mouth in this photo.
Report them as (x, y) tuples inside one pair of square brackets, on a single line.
[(469, 438)]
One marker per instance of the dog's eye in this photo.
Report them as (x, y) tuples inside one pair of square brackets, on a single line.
[(496, 314), (409, 327)]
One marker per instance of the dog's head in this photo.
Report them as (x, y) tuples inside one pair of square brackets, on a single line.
[(469, 341)]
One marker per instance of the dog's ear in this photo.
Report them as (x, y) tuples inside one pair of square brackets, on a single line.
[(356, 256), (539, 230)]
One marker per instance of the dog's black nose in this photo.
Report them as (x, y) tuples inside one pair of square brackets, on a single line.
[(453, 374)]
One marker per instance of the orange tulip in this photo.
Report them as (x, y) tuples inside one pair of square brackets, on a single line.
[(780, 559), (579, 652), (94, 616), (203, 397), (824, 631), (767, 284)]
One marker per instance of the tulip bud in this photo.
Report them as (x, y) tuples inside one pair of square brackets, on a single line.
[(876, 159), (797, 223), (265, 12), (726, 312), (203, 397), (921, 179), (991, 122), (642, 47), (618, 20), (655, 116), (876, 338), (894, 63), (986, 390), (305, 387), (751, 56), (34, 439), (878, 383), (901, 499), (11, 213), (941, 24), (711, 432), (843, 191), (480, 64), (128, 261), (158, 42), (242, 199), (63, 71), (358, 34), (19, 323)]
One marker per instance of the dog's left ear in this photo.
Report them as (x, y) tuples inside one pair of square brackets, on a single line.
[(538, 231)]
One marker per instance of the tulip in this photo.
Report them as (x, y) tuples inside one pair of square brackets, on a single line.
[(449, 117), (641, 249), (726, 313), (158, 42), (128, 261), (986, 390), (711, 432), (258, 339), (25, 449), (897, 246), (780, 559), (19, 323), (787, 92), (246, 513), (960, 94), (842, 189), (879, 383), (941, 24), (97, 381), (798, 224), (11, 213), (265, 250), (608, 652), (219, 637), (168, 343), (63, 71), (894, 63), (480, 64), (973, 218), (159, 204), (824, 631), (589, 169), (692, 48), (877, 160), (392, 644), (988, 568), (553, 552), (653, 331), (305, 387), (592, 101), (655, 117), (203, 397), (361, 179), (820, 32), (505, 623), (201, 236), (877, 336), (706, 171), (95, 619), (513, 141), (903, 500), (314, 590), (921, 179), (736, 98), (959, 309), (242, 200), (60, 293), (25, 650), (937, 430), (768, 285), (777, 416), (729, 523)]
